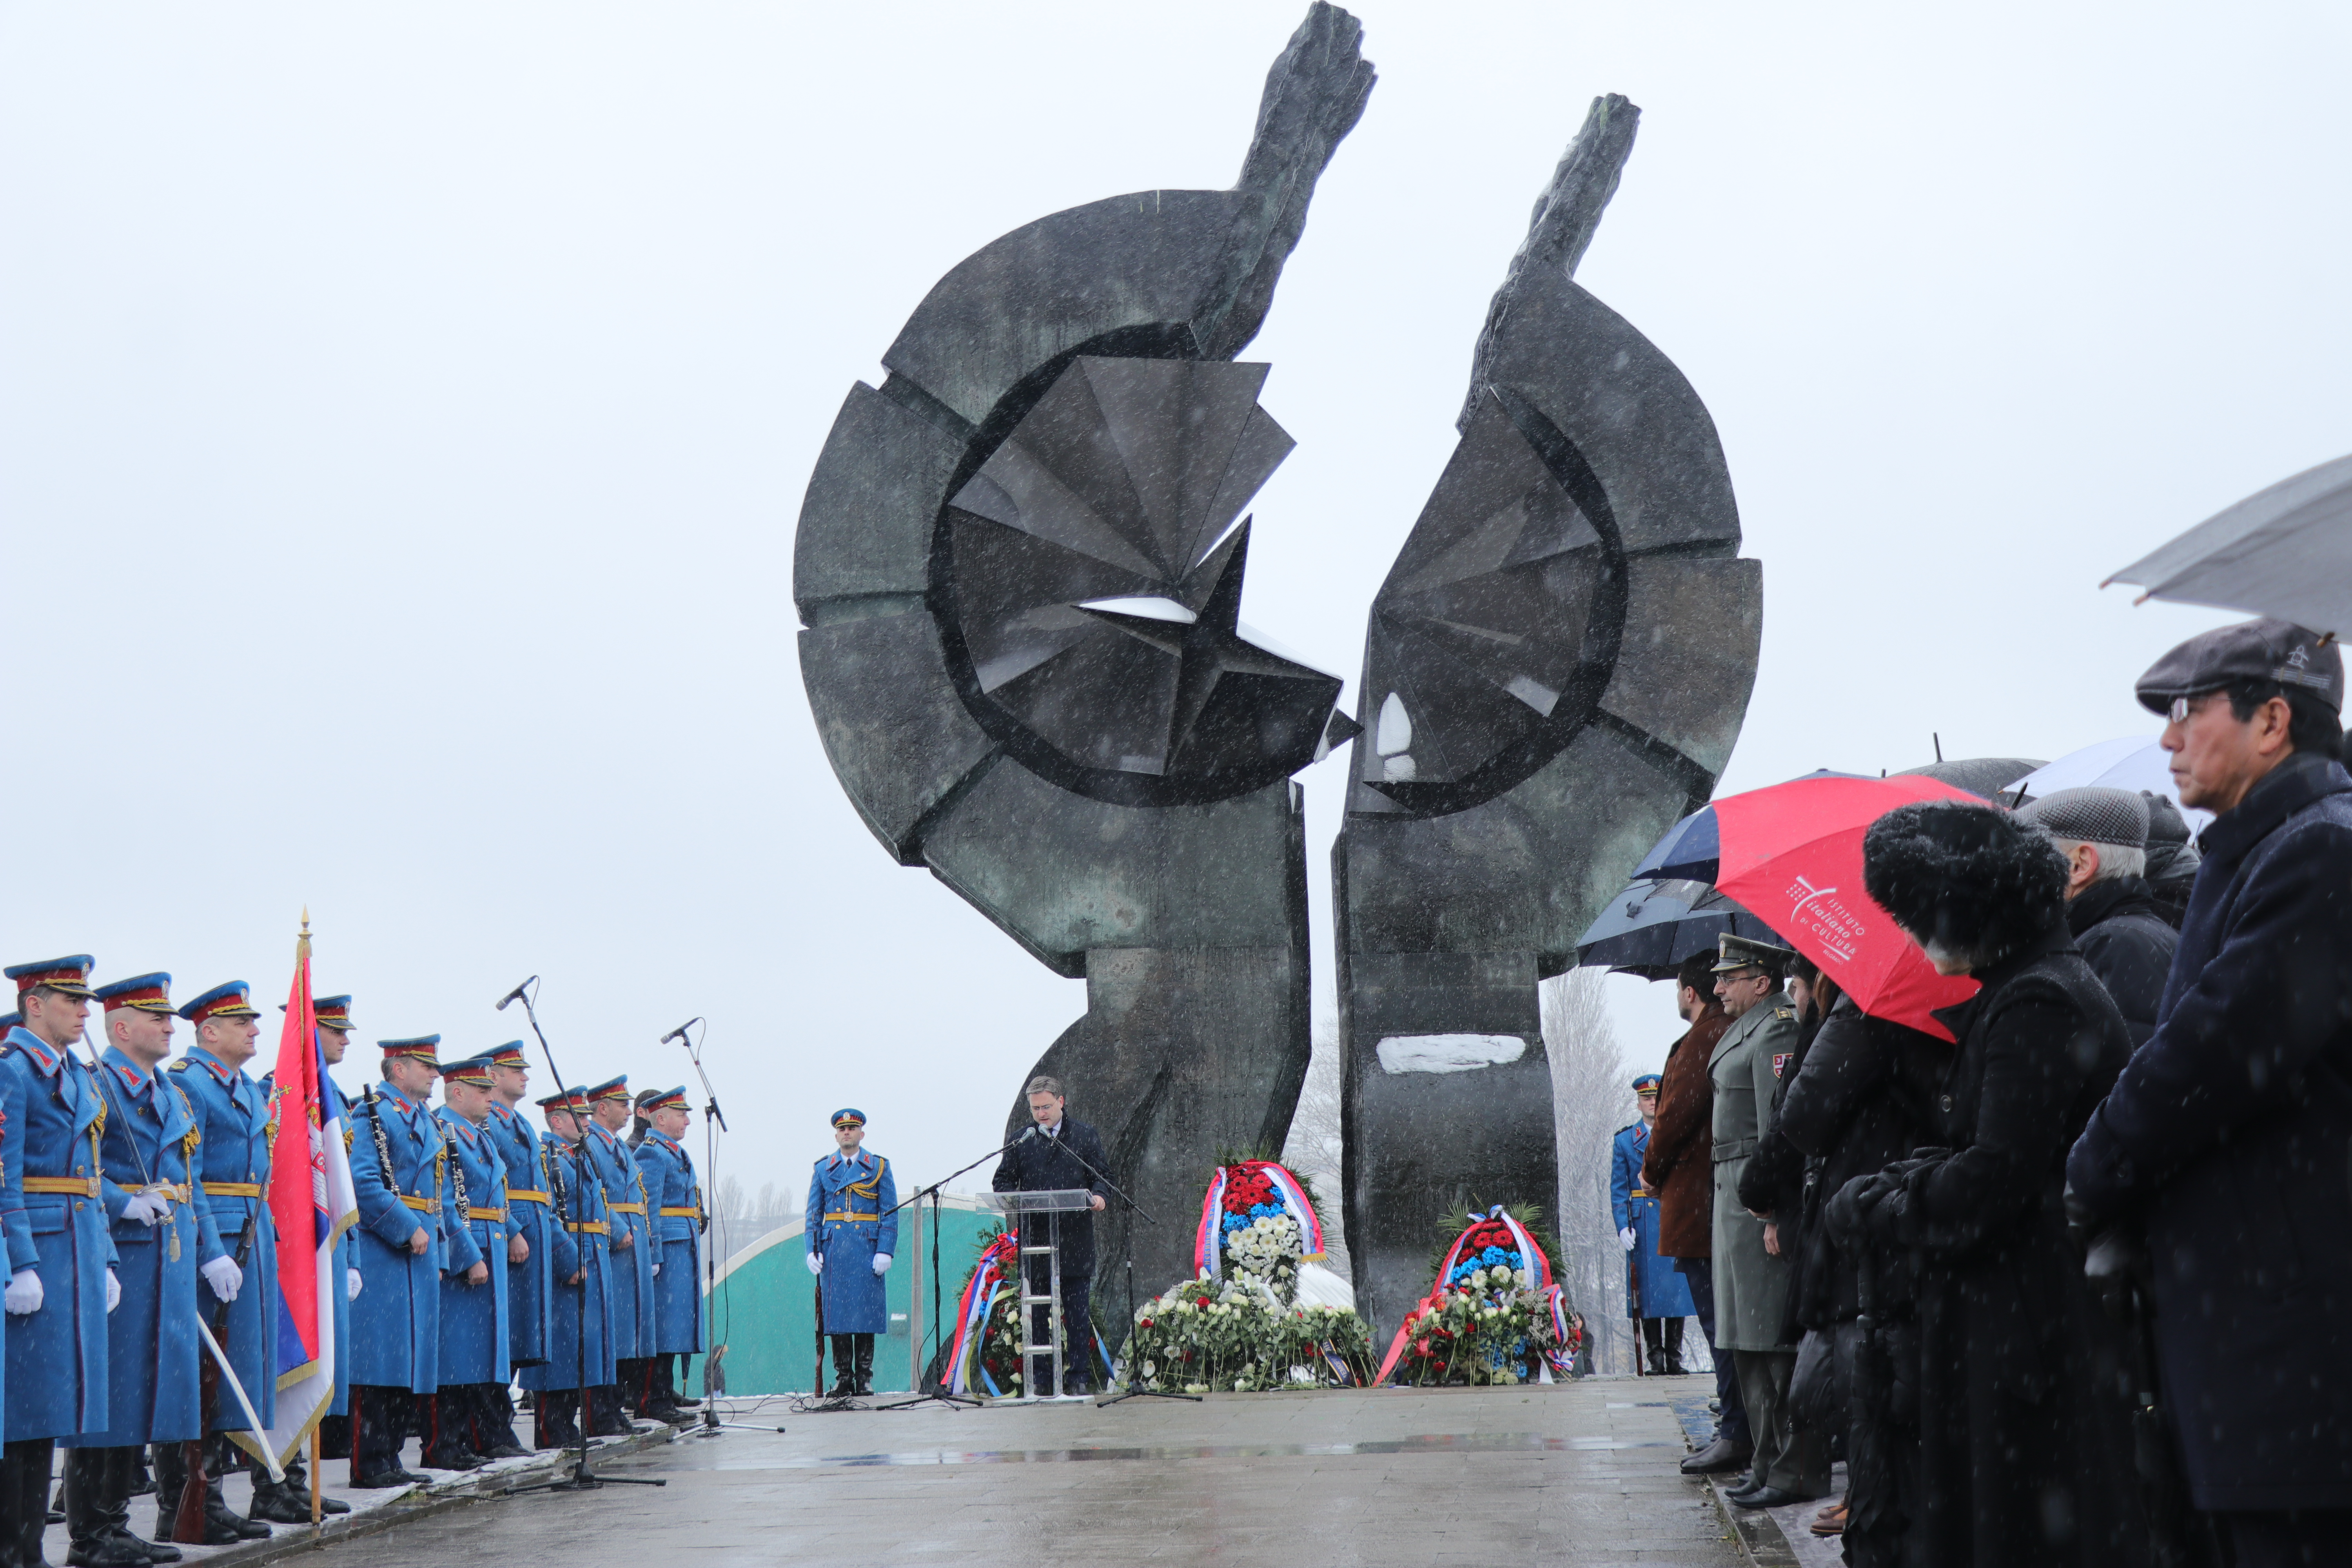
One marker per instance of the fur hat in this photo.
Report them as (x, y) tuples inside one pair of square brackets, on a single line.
[(1968, 880)]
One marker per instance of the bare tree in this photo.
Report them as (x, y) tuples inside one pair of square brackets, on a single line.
[(1312, 1151), (1592, 1098)]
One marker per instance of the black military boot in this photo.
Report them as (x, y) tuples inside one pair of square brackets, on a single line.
[(1675, 1348), (865, 1363), (845, 1366), (226, 1457), (298, 1481), (605, 1413), (554, 1422), (442, 1416), (492, 1430), (27, 1500), (376, 1435), (673, 1371), (95, 1514)]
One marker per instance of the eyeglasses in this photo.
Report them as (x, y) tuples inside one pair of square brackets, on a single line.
[(2182, 707)]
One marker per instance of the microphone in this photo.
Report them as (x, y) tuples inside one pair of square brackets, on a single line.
[(515, 995), (678, 1033), (1027, 1133)]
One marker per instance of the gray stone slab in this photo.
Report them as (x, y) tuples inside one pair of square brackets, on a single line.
[(872, 504), (899, 740), (1686, 664), (1063, 873)]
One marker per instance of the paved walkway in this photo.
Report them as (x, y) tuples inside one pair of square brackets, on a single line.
[(1579, 1473)]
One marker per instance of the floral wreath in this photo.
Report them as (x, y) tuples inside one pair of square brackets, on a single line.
[(1493, 1244), (1250, 1196)]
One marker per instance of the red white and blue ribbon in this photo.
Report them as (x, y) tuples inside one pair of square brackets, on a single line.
[(971, 1311), (1208, 1241), (1531, 1257)]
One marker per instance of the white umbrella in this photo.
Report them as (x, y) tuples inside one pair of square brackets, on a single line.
[(2133, 762), (2286, 551)]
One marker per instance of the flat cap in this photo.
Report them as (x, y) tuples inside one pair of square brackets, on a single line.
[(2092, 816), (2266, 649)]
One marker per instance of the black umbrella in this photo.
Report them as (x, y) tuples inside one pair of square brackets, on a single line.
[(1650, 928)]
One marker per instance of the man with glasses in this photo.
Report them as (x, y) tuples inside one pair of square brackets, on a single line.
[(1751, 1279), (2227, 1138)]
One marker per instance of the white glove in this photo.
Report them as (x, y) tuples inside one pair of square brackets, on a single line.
[(352, 1280), (1625, 1238), (656, 1270), (816, 1263), (147, 1208), (881, 1263), (225, 1277), (113, 1291), (23, 1296)]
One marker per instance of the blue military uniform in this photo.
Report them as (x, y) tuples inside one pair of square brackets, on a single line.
[(474, 1361), (634, 1308), (1655, 1293), (50, 1206), (675, 1198), (234, 1125), (848, 1197), (400, 1177), (581, 1240), (530, 1283)]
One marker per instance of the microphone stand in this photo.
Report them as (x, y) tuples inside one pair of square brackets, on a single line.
[(583, 1478), (937, 1394), (1130, 1391), (714, 1123)]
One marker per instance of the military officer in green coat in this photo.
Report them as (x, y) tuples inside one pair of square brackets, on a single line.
[(1751, 1279)]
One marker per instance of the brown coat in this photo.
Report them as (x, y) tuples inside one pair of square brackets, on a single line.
[(1680, 1166)]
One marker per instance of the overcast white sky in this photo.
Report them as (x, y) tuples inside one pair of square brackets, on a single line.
[(405, 410)]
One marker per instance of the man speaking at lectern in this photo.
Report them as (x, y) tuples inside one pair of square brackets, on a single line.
[(1053, 1156)]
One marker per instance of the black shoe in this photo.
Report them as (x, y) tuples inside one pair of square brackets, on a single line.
[(1674, 1367), (217, 1532), (154, 1550), (107, 1550), (455, 1460), (1765, 1497), (506, 1451), (279, 1504), (251, 1529), (1718, 1457), (395, 1477), (669, 1414)]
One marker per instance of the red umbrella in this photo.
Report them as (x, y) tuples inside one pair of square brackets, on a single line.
[(1792, 854)]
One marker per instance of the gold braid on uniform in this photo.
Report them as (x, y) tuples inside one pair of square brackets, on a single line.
[(871, 1187)]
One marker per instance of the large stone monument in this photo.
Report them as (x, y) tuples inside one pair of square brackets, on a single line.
[(1019, 568), (1556, 670)]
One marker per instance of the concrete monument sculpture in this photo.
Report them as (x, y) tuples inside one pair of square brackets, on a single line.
[(1555, 670), (1018, 570)]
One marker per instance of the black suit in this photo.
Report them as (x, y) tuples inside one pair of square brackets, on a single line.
[(1041, 1164)]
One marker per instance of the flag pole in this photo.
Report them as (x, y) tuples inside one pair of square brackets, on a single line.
[(316, 1509)]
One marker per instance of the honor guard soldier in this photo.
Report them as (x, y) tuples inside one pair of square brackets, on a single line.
[(1751, 1285), (633, 1263), (400, 1177), (849, 1248), (288, 1502), (61, 1281), (530, 1266), (474, 1363), (677, 1223), (234, 1128), (1656, 1298), (579, 1320), (160, 1238)]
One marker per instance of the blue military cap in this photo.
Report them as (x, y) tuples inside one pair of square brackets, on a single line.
[(68, 975), (148, 992), (229, 1001), (611, 1089), (665, 1099), (510, 1055), (474, 1070), (426, 1047), (1648, 1082), (847, 1113), (332, 1012)]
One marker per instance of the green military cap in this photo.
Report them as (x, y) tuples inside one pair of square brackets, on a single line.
[(1736, 953)]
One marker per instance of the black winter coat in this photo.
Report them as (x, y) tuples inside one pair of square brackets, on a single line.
[(2022, 1455), (1043, 1164), (1852, 1113), (2230, 1133), (2128, 946)]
